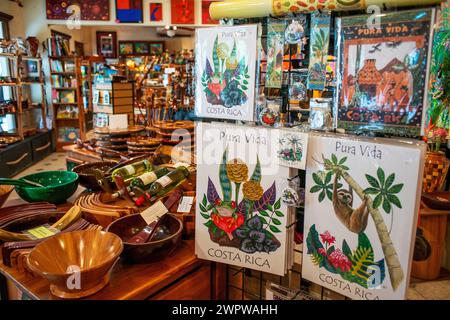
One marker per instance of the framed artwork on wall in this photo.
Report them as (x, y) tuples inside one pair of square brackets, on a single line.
[(93, 10), (206, 18), (156, 12), (183, 11), (129, 11), (107, 44), (126, 48), (157, 48), (79, 49), (141, 48)]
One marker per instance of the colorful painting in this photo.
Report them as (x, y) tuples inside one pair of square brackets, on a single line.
[(141, 48), (89, 9), (156, 48), (360, 221), (183, 11), (383, 72), (129, 11), (275, 53), (206, 18), (320, 39), (292, 148), (126, 48), (156, 12), (241, 219), (226, 70)]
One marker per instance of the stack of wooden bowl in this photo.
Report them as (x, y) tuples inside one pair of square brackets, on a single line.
[(116, 139), (178, 139), (143, 144)]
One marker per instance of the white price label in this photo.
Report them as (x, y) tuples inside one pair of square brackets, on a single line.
[(154, 212)]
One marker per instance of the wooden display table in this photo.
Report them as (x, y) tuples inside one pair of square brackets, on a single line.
[(180, 276), (434, 224)]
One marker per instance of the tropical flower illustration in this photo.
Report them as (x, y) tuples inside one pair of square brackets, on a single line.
[(225, 82), (327, 238), (251, 220)]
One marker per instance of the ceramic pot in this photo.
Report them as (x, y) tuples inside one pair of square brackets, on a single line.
[(436, 168)]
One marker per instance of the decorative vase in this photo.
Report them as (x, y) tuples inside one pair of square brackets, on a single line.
[(32, 46), (436, 168)]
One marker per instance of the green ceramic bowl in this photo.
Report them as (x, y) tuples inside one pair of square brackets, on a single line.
[(58, 186)]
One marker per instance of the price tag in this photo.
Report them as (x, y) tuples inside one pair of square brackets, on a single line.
[(152, 213), (42, 232), (185, 204)]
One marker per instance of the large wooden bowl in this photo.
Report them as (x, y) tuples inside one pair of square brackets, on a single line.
[(156, 250), (86, 173), (92, 252)]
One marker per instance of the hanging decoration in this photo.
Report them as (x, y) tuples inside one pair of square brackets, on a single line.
[(320, 39), (275, 53), (89, 9), (183, 11)]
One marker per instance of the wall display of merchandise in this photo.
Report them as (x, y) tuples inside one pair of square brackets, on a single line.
[(360, 220), (226, 62), (89, 9), (241, 218), (383, 74)]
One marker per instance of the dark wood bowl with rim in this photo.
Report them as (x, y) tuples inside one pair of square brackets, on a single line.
[(158, 249), (86, 173)]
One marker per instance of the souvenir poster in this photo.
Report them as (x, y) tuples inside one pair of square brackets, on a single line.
[(226, 71), (292, 148), (89, 9), (240, 217), (360, 220), (318, 56), (183, 11), (275, 53), (156, 12), (383, 72)]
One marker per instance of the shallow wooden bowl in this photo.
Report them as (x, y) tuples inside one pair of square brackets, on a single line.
[(92, 252), (5, 191), (156, 250), (437, 200), (86, 173)]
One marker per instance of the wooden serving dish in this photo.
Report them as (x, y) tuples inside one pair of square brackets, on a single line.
[(92, 252), (127, 227), (437, 200), (86, 174)]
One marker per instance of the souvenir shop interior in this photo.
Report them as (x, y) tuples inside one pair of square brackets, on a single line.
[(224, 150)]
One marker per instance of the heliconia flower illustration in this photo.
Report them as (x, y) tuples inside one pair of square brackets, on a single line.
[(322, 251), (340, 261), (327, 238)]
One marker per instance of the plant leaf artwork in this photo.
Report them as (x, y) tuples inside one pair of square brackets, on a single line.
[(241, 219), (275, 52), (320, 38), (383, 85), (226, 71), (360, 219)]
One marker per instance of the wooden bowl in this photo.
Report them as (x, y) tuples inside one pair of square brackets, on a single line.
[(437, 200), (5, 191), (156, 250), (92, 252)]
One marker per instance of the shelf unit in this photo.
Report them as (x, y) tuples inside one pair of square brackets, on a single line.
[(17, 67), (67, 85), (88, 71)]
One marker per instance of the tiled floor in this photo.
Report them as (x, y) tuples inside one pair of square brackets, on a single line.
[(430, 290)]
